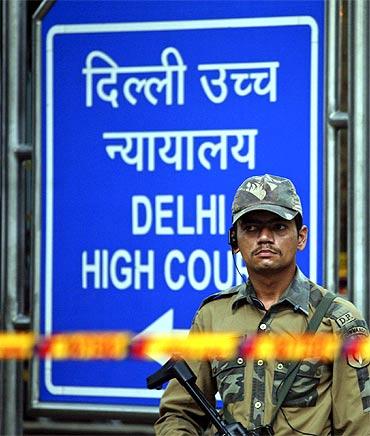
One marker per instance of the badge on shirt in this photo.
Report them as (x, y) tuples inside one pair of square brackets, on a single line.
[(355, 357), (357, 361), (356, 330), (344, 319)]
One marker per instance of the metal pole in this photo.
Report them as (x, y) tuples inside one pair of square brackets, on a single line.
[(359, 179), (332, 155), (13, 127)]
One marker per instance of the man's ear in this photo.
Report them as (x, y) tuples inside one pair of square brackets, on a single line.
[(233, 241), (302, 238)]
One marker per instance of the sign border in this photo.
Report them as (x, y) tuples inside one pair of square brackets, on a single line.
[(159, 26)]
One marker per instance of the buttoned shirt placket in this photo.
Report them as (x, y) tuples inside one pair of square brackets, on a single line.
[(259, 369), (296, 296)]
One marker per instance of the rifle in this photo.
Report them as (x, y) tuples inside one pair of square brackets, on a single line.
[(180, 370)]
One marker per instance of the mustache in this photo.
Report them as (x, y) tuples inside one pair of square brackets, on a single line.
[(266, 247)]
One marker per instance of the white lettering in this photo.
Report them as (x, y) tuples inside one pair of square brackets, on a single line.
[(141, 227), (203, 214), (111, 71), (250, 76), (168, 77), (136, 270), (220, 148), (201, 269), (120, 270), (161, 214), (181, 228), (123, 281), (141, 268), (218, 82), (165, 214), (183, 149), (221, 215), (91, 268), (229, 281), (196, 257), (105, 275), (173, 284)]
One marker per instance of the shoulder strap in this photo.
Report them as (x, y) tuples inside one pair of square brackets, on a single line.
[(313, 325), (320, 312)]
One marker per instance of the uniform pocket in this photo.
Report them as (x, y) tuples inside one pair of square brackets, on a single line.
[(303, 392), (230, 379)]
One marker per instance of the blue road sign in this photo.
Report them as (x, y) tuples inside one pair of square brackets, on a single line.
[(152, 115)]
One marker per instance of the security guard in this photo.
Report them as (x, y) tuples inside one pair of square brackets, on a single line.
[(325, 398)]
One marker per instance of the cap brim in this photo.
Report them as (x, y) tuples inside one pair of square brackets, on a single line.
[(284, 212)]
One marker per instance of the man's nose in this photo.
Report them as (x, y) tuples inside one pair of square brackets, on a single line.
[(265, 234)]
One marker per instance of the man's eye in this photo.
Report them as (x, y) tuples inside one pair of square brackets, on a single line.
[(280, 226), (250, 227)]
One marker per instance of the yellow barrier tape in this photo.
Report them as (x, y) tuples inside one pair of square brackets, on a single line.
[(292, 347), (16, 345), (86, 346), (199, 346)]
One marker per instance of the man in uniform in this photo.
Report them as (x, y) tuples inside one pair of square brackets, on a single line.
[(326, 398)]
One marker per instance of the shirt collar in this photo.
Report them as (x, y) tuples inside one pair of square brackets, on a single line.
[(297, 294)]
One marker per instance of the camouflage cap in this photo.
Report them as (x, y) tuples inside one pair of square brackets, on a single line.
[(273, 193)]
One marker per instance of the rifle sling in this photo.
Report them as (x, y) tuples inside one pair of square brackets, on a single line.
[(313, 325)]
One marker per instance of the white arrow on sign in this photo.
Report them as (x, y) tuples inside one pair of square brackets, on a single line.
[(163, 324)]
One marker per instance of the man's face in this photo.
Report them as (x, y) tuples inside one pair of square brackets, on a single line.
[(268, 242)]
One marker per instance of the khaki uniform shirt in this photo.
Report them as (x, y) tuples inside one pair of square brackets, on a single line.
[(325, 398)]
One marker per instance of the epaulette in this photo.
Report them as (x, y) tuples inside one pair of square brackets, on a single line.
[(218, 295), (222, 294)]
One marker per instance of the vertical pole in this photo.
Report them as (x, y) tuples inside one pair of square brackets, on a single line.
[(332, 167), (13, 135), (359, 178)]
